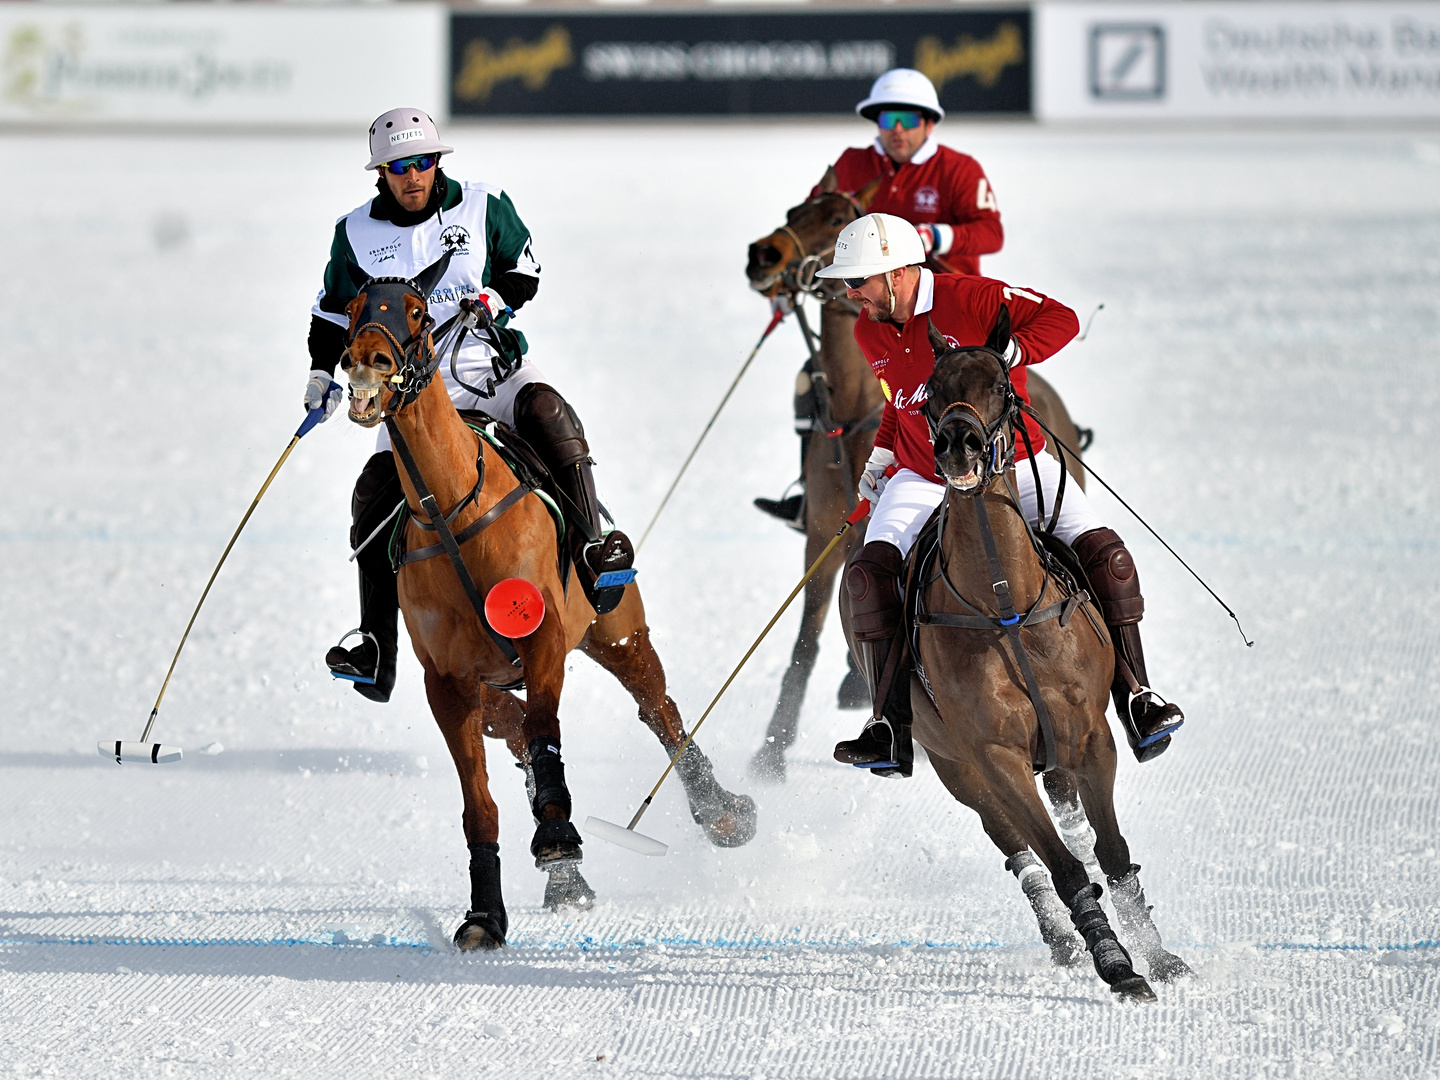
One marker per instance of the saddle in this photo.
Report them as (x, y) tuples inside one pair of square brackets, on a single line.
[(529, 469)]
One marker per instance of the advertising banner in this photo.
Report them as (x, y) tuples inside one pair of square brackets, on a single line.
[(738, 63), (1097, 61), (264, 65)]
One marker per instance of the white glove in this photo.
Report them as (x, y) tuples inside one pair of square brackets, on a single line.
[(782, 302), (493, 301), (936, 239), (324, 391), (873, 479), (1014, 354)]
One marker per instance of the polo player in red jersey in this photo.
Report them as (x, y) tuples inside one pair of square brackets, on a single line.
[(945, 194), (879, 258)]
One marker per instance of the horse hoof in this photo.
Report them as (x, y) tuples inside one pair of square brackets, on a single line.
[(567, 888), (478, 933), (1168, 968), (768, 764), (1133, 987), (736, 826), (555, 844)]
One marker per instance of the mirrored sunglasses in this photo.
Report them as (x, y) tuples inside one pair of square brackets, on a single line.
[(423, 162), (854, 282), (892, 118)]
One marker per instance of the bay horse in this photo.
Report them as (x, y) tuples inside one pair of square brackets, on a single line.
[(391, 365), (992, 629), (850, 401)]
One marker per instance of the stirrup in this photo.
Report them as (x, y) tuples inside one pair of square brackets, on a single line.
[(604, 586), (884, 747), (345, 668), (789, 508), (1145, 699)]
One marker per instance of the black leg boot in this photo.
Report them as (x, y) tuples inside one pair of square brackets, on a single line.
[(485, 923), (876, 610), (602, 560), (556, 841), (1148, 719), (370, 665)]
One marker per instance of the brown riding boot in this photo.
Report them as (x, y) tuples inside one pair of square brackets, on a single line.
[(876, 611), (602, 560), (1148, 719)]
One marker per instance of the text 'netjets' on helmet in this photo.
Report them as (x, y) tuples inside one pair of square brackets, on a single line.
[(902, 88), (875, 244)]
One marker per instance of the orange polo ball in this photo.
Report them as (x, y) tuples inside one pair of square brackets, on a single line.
[(515, 608)]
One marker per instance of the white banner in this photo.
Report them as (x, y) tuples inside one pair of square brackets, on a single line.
[(267, 65), (1119, 60)]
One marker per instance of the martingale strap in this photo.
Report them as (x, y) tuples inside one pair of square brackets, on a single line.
[(450, 544)]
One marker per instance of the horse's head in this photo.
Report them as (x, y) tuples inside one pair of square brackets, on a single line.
[(390, 345), (789, 257), (971, 409)]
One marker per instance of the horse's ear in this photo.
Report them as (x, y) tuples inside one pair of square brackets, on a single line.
[(867, 193), (999, 339), (357, 276), (428, 278), (938, 344), (829, 182)]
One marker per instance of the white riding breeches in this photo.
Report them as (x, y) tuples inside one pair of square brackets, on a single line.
[(501, 406), (909, 499)]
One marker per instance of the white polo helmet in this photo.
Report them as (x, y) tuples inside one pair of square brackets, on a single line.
[(402, 133), (875, 244), (901, 88)]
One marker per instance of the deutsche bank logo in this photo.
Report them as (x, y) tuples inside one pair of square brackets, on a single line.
[(1127, 61)]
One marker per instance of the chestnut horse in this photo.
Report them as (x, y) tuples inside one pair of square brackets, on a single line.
[(786, 262), (391, 364), (983, 649)]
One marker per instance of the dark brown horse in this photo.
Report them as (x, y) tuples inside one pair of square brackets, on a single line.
[(786, 262), (983, 649), (391, 367)]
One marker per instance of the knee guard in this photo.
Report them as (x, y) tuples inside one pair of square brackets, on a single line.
[(873, 582), (1112, 574), (546, 421)]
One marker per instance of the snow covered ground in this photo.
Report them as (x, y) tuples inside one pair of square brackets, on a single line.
[(1263, 382)]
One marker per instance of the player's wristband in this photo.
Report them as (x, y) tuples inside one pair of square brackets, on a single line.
[(942, 238)]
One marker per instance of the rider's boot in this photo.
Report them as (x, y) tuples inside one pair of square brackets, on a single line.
[(876, 611), (602, 560), (790, 507), (1149, 719), (371, 664)]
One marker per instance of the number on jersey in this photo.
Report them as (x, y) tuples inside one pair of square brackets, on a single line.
[(984, 197)]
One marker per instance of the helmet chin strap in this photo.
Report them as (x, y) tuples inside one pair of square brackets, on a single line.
[(890, 292)]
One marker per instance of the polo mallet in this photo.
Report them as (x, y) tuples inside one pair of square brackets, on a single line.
[(645, 845), (159, 753), (774, 322)]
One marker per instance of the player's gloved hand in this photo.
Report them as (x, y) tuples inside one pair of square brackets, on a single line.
[(322, 391), (936, 239), (873, 479), (782, 303)]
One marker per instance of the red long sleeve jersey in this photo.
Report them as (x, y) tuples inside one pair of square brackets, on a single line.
[(964, 309), (938, 185)]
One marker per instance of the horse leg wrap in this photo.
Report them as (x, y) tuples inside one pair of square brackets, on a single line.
[(556, 840), (1112, 962), (1065, 948), (1133, 914), (486, 922), (549, 773), (728, 819)]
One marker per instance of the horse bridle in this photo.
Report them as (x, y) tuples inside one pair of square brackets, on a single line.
[(996, 437), (798, 275), (417, 361)]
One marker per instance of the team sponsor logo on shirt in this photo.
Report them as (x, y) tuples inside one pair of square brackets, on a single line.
[(456, 240), (927, 200), (386, 253), (918, 398), (451, 294)]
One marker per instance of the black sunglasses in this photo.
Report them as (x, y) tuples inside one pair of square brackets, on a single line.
[(856, 282), (423, 162)]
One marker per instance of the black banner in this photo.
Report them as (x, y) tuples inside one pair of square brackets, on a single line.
[(669, 64)]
